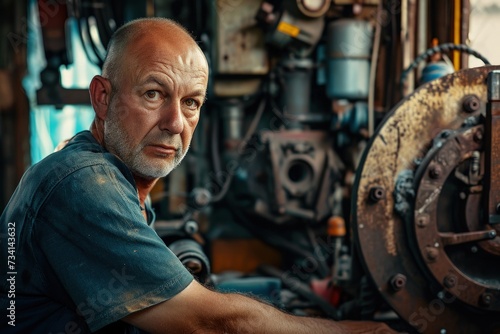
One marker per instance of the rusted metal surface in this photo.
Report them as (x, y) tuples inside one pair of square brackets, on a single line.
[(302, 163), (445, 247), (387, 234), (492, 137), (240, 42)]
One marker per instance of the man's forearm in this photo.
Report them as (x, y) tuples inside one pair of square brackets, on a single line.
[(252, 316), (199, 310)]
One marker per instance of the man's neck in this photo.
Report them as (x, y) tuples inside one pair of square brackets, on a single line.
[(144, 187), (98, 135)]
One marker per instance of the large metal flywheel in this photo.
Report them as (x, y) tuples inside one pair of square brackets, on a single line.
[(426, 204)]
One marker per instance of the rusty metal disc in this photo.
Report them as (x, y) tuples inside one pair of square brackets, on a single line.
[(406, 239)]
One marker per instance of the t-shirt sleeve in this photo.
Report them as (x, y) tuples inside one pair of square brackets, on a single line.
[(93, 235)]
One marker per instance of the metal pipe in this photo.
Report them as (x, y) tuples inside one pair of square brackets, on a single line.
[(457, 20), (373, 71), (408, 85), (422, 44)]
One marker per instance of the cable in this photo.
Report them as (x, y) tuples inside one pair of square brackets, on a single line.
[(302, 289), (274, 239), (323, 267), (373, 72), (251, 130), (440, 49)]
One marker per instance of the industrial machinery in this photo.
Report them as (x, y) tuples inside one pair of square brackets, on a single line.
[(426, 205), (317, 179)]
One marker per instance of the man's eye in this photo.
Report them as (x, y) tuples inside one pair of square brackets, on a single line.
[(152, 95), (191, 103)]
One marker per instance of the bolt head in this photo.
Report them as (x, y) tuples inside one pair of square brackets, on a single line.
[(376, 194), (486, 299), (450, 281), (398, 282), (471, 104), (432, 253), (478, 136), (422, 221), (435, 172)]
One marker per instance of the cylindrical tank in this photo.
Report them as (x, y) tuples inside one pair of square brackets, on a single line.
[(349, 43), (232, 120), (297, 75)]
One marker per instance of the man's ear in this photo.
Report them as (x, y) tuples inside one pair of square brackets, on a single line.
[(100, 93)]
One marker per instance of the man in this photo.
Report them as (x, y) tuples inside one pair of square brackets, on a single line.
[(85, 257)]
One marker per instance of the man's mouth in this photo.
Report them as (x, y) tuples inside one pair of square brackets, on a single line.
[(163, 150)]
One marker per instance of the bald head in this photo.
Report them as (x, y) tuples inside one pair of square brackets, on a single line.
[(162, 28)]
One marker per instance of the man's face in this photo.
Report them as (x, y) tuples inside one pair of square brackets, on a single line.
[(155, 106)]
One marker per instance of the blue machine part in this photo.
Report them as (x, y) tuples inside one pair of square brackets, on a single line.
[(435, 70), (352, 120), (349, 45)]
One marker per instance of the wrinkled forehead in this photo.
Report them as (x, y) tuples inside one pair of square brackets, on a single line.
[(169, 44)]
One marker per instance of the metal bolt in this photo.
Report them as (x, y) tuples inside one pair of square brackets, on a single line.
[(432, 253), (398, 282), (191, 227), (435, 172), (376, 194), (473, 249), (422, 221), (450, 281), (478, 136), (445, 134), (486, 299), (201, 197), (471, 104)]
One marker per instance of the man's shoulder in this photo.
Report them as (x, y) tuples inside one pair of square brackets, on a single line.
[(83, 163), (80, 152), (79, 159)]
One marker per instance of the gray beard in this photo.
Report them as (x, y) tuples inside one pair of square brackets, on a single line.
[(118, 143)]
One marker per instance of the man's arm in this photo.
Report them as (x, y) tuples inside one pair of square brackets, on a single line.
[(200, 310)]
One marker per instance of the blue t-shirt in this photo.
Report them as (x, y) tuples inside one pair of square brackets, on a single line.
[(77, 254)]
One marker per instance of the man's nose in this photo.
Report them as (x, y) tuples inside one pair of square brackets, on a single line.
[(172, 119)]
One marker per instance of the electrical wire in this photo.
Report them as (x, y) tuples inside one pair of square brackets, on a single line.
[(440, 49), (302, 289), (274, 238), (102, 19), (82, 30), (373, 72), (323, 267), (251, 130)]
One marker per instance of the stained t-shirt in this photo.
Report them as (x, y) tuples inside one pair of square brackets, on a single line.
[(84, 257)]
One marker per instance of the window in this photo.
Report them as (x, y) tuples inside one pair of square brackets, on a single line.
[(484, 26), (49, 125)]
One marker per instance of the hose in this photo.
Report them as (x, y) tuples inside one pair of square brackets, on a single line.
[(440, 49)]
